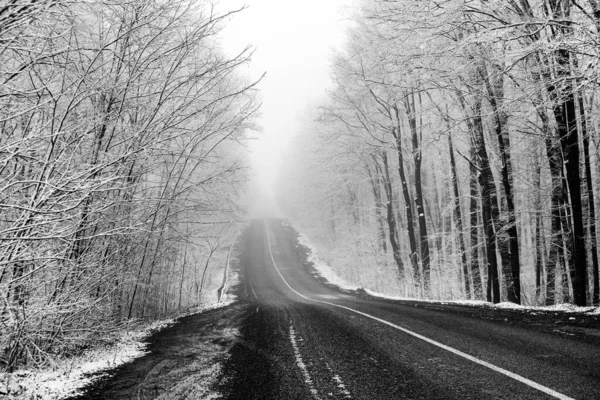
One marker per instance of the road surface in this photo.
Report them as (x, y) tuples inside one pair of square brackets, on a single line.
[(304, 340)]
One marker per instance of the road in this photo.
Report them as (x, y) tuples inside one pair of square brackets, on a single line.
[(304, 340)]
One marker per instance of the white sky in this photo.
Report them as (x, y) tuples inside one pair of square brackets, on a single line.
[(293, 41)]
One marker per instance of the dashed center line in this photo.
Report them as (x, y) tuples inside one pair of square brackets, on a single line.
[(469, 357), (340, 384), (300, 363)]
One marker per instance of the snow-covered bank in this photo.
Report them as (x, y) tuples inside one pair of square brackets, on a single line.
[(321, 267), (69, 375), (324, 271), (66, 377), (565, 307)]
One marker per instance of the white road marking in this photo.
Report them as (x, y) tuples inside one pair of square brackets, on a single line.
[(300, 363), (469, 357), (253, 292), (340, 384)]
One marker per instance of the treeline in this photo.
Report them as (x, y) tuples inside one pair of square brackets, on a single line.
[(457, 153), (120, 165)]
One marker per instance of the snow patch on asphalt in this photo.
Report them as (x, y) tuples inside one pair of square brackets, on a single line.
[(68, 376), (300, 363)]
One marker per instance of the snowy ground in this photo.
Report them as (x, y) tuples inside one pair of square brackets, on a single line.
[(559, 307), (325, 271), (321, 266), (68, 376)]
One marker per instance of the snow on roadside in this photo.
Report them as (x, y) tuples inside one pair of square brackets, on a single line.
[(321, 266), (565, 307), (326, 272), (232, 281), (69, 376), (457, 302), (231, 278)]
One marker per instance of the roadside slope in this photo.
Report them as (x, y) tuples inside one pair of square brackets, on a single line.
[(183, 361)]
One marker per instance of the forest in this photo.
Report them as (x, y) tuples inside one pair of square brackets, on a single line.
[(122, 165), (456, 155)]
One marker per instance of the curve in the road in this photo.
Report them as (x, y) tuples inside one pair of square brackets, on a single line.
[(469, 357)]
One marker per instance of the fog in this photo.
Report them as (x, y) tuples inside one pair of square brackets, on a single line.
[(292, 44)]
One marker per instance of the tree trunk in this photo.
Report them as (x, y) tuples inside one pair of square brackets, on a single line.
[(374, 178), (590, 193), (391, 220), (459, 222), (408, 205), (185, 251), (559, 226), (564, 109), (539, 239), (556, 241), (509, 251), (411, 111), (474, 216), (565, 115), (489, 204)]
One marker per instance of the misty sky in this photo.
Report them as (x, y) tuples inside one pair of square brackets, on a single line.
[(293, 42)]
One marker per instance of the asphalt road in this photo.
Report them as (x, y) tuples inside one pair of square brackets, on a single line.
[(304, 340)]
